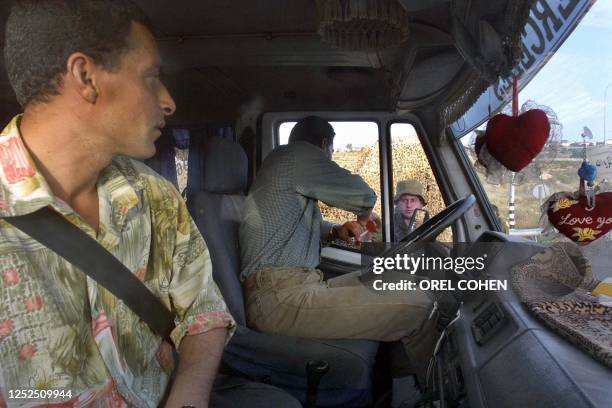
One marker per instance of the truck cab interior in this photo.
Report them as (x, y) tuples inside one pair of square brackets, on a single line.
[(404, 82)]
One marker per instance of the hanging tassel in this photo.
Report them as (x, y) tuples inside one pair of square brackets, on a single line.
[(362, 25), (587, 173)]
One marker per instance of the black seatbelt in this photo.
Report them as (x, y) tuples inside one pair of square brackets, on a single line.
[(67, 240)]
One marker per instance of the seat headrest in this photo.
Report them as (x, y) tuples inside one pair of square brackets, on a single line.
[(225, 167)]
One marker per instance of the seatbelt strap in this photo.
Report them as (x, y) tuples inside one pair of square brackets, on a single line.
[(67, 240)]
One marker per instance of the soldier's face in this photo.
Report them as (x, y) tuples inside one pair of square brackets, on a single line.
[(407, 203)]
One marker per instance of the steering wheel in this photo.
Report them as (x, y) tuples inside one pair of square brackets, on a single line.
[(438, 223)]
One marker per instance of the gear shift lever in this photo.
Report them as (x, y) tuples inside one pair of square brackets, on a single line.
[(315, 370)]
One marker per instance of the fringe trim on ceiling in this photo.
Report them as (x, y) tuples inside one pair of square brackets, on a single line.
[(362, 25)]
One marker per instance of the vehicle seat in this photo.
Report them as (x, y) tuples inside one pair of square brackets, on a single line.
[(279, 360), (163, 162)]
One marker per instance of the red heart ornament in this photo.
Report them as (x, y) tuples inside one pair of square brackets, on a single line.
[(572, 218), (516, 141)]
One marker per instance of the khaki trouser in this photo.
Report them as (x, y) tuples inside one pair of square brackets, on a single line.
[(297, 302)]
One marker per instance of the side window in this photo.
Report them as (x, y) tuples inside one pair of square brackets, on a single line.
[(355, 149), (416, 195)]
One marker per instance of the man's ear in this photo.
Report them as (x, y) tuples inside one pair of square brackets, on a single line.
[(81, 75), (324, 143)]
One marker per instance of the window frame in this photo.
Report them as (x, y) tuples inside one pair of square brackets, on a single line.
[(476, 185), (277, 124), (271, 121), (439, 172)]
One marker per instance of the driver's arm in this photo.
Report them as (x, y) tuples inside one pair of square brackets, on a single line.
[(320, 178)]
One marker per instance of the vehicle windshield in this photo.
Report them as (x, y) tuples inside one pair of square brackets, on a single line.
[(573, 87), (569, 51)]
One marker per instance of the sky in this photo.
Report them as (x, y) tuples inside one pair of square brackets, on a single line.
[(367, 131), (345, 133), (573, 81)]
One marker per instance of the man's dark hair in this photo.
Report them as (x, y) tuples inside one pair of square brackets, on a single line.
[(42, 34), (312, 129)]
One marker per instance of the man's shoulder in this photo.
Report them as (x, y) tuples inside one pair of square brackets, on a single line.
[(279, 155), (293, 155), (299, 151), (305, 147)]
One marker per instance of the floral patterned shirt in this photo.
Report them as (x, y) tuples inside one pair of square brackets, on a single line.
[(59, 329)]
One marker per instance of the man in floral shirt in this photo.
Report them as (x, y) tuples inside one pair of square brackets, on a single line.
[(87, 75)]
